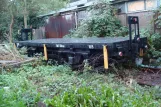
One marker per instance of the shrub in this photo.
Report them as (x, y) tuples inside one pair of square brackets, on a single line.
[(154, 43), (102, 22)]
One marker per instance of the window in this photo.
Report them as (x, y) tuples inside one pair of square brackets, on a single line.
[(82, 15), (121, 7)]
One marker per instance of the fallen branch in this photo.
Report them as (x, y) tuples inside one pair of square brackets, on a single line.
[(17, 64)]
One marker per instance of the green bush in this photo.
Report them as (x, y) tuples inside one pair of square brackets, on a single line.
[(102, 22), (154, 42)]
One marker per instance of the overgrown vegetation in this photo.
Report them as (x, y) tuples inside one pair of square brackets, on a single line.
[(59, 86), (154, 38), (154, 49), (10, 53), (101, 22), (104, 96)]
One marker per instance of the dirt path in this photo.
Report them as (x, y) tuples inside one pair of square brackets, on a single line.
[(151, 78)]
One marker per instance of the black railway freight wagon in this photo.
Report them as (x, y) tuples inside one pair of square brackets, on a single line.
[(75, 50)]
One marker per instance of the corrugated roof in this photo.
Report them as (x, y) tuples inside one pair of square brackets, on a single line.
[(63, 10), (68, 8)]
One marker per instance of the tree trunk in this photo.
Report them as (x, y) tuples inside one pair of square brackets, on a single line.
[(25, 21), (25, 15), (11, 28)]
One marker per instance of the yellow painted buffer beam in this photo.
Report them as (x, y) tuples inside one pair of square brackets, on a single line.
[(105, 54), (45, 53), (14, 46), (141, 52)]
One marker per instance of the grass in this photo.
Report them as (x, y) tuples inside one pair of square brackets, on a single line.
[(59, 86)]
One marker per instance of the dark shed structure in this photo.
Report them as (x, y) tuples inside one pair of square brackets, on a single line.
[(59, 24)]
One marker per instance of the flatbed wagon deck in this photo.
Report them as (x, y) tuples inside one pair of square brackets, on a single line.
[(78, 40), (91, 43)]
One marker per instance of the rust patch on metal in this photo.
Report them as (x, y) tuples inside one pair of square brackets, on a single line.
[(59, 26)]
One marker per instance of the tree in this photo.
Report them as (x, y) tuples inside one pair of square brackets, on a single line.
[(6, 12), (15, 12)]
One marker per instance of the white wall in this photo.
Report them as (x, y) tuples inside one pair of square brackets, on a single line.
[(138, 5)]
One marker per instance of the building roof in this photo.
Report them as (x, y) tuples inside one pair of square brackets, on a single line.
[(68, 8), (76, 6)]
